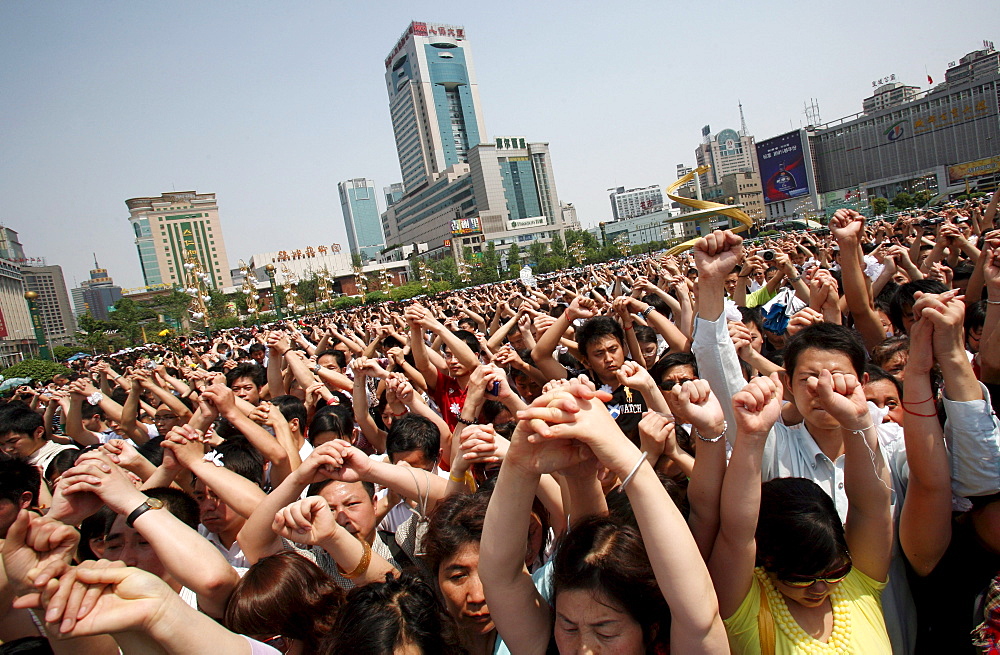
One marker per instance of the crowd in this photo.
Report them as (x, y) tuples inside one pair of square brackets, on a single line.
[(789, 446)]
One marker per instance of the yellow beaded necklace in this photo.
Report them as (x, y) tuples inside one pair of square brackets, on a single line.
[(840, 637)]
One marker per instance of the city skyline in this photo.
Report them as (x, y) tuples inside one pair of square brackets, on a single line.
[(121, 102)]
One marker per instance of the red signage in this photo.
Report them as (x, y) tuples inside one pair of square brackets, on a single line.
[(3, 326)]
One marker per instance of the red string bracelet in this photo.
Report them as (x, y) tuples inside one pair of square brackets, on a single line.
[(915, 414), (918, 402)]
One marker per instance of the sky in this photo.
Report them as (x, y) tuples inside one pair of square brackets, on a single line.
[(270, 104)]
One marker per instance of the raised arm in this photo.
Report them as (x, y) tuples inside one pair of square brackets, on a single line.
[(847, 226)]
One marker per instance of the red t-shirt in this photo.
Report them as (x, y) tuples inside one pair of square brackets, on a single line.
[(450, 398)]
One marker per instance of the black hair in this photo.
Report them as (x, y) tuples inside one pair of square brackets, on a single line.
[(455, 521), (469, 339), (902, 300), (152, 450), (799, 532), (667, 362), (95, 526), (253, 371), (332, 418), (178, 503), (316, 487), (644, 333), (597, 328), (975, 315), (659, 304), (62, 462), (381, 616), (751, 316), (241, 457), (18, 476), (827, 337), (18, 418), (337, 355), (877, 374), (89, 410), (292, 407), (256, 348), (607, 557), (413, 432)]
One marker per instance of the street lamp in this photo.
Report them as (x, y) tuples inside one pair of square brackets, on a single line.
[(36, 322), (275, 300)]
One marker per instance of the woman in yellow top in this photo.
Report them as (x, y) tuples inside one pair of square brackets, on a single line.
[(797, 580)]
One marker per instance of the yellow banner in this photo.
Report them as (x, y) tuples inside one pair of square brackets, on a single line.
[(973, 169)]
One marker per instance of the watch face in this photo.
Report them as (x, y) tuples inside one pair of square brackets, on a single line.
[(154, 503)]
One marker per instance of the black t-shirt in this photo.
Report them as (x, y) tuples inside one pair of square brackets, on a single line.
[(626, 406), (946, 599)]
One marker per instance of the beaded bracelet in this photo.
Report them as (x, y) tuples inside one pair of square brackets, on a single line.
[(725, 426)]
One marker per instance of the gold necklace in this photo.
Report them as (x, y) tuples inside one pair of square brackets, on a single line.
[(840, 636)]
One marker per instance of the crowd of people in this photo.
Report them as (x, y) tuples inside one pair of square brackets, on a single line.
[(789, 446)]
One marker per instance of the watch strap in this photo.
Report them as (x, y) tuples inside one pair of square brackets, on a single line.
[(139, 511)]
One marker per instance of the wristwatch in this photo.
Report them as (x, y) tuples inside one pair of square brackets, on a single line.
[(317, 369), (148, 504), (646, 312)]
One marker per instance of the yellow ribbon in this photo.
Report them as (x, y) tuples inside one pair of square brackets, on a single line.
[(726, 210)]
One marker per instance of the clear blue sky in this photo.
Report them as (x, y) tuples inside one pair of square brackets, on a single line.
[(269, 105)]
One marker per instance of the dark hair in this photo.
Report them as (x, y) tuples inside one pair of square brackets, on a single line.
[(256, 348), (285, 594), (177, 503), (413, 432), (242, 458), (316, 488), (336, 354), (18, 418), (95, 526), (62, 462), (644, 333), (597, 328), (255, 372), (828, 337), (457, 520), (659, 304), (902, 300), (469, 339), (975, 315), (332, 418), (751, 316), (799, 532), (885, 350), (152, 450), (877, 374), (608, 557), (17, 476), (292, 408), (667, 362), (380, 616)]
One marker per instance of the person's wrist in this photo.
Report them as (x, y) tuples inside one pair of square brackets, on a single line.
[(127, 503)]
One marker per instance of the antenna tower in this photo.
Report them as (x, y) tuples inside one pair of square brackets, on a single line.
[(812, 112), (743, 121)]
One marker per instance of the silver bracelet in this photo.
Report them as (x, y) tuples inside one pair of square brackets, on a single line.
[(635, 469), (992, 302), (725, 426)]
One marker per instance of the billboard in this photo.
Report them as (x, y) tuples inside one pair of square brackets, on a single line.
[(521, 223), (782, 165), (466, 226), (976, 168)]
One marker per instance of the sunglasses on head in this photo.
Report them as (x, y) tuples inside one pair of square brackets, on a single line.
[(833, 577)]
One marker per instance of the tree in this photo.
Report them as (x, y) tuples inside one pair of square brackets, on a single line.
[(39, 370), (536, 252), (173, 306), (514, 259), (922, 197), (356, 260), (879, 206), (557, 246), (490, 270), (903, 200), (62, 353), (307, 290)]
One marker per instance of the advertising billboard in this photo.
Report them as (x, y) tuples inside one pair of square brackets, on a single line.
[(466, 226), (976, 168), (782, 165), (521, 223)]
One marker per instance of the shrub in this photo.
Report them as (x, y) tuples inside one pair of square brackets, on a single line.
[(39, 370)]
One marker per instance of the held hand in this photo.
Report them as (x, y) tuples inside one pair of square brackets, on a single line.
[(634, 376), (221, 397), (846, 224), (921, 353), (657, 436), (99, 476), (121, 452), (947, 313), (36, 549), (580, 308), (803, 319)]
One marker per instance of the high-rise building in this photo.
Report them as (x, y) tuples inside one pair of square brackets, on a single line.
[(977, 64), (570, 220), (433, 101), (460, 189), (726, 152), (631, 203), (889, 95), (52, 302), (361, 217), (17, 336), (96, 295), (10, 246), (177, 227), (393, 193)]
